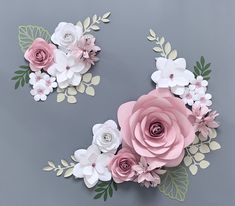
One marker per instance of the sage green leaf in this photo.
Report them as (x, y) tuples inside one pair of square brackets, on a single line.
[(99, 195), (106, 15), (95, 80), (68, 173), (174, 183), (28, 33), (202, 60), (87, 77), (90, 91)]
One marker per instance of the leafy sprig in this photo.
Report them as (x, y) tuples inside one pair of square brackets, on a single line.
[(202, 69), (105, 189), (162, 47), (92, 23), (65, 167), (22, 76)]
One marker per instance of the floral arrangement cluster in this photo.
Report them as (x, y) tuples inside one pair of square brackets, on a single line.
[(157, 136), (61, 60)]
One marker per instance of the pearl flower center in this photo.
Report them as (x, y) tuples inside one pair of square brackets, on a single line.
[(156, 129), (107, 137)]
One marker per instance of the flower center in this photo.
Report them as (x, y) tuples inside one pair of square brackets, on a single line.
[(203, 100), (40, 55), (107, 137), (40, 91), (38, 79), (156, 129), (67, 67), (125, 165), (198, 84), (188, 96), (171, 76)]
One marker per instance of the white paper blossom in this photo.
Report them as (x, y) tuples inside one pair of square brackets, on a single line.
[(188, 97), (198, 85), (203, 99), (50, 82), (92, 165), (66, 69), (35, 77), (66, 35), (107, 136), (40, 91), (173, 74)]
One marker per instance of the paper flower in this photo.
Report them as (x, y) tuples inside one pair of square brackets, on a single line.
[(121, 166), (172, 74), (203, 99), (40, 54), (66, 69), (40, 91), (198, 85), (146, 175), (50, 82), (156, 127), (188, 96), (92, 166), (107, 136), (66, 35), (35, 77)]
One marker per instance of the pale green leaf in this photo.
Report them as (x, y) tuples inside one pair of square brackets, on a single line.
[(204, 164), (196, 140), (167, 48), (48, 168), (87, 22), (172, 55), (106, 15), (68, 172), (193, 169), (162, 40), (87, 77), (95, 27), (174, 183), (157, 49), (152, 33), (204, 148), (79, 24), (28, 33), (212, 134), (81, 88), (51, 164), (59, 172), (188, 160), (214, 145), (72, 91), (193, 149), (105, 20), (150, 38), (64, 163), (94, 18), (95, 80), (90, 91), (199, 156), (71, 99), (60, 97)]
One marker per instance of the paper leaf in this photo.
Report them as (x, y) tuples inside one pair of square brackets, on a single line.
[(95, 27), (86, 22), (48, 168), (60, 97), (214, 145), (87, 77), (199, 156), (72, 91), (59, 173), (172, 55), (162, 40), (95, 80), (157, 49), (204, 148), (81, 88), (193, 149), (212, 134), (68, 173), (71, 99), (79, 24), (106, 15), (167, 48), (90, 91), (27, 34), (193, 169), (21, 76), (188, 160), (204, 164), (105, 189), (105, 20), (150, 38), (174, 183), (64, 163), (94, 18), (152, 33)]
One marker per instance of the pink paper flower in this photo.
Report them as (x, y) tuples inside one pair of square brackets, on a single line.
[(86, 50), (121, 166), (40, 55), (146, 175), (157, 127), (204, 119)]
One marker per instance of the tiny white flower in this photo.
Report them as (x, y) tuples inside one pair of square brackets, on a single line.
[(198, 85), (107, 136), (66, 69), (50, 82), (203, 99), (40, 91), (188, 97), (66, 35), (173, 74), (92, 166), (35, 77)]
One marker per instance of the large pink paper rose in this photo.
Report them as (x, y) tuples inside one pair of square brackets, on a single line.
[(121, 166), (40, 55), (157, 127)]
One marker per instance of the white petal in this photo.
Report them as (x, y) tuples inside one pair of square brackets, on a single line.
[(104, 159), (52, 70), (76, 80), (77, 171), (180, 63), (111, 123), (85, 69), (96, 127), (92, 180), (43, 97), (181, 81), (37, 97), (161, 63), (78, 67), (79, 154), (178, 90), (63, 85), (156, 76), (106, 176), (88, 170), (93, 149), (163, 83), (208, 96), (188, 75)]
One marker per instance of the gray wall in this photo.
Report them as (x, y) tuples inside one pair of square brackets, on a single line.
[(32, 133)]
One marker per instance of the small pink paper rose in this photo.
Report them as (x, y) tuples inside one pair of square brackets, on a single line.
[(121, 166), (40, 55), (157, 127)]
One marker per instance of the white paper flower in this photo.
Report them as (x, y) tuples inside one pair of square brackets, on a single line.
[(66, 35), (35, 77), (50, 82), (188, 97), (173, 74), (107, 136), (92, 165), (40, 91), (198, 85), (203, 99), (66, 69)]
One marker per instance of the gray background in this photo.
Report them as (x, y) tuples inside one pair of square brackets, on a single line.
[(32, 133)]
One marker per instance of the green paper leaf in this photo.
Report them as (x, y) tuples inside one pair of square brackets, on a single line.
[(22, 76), (105, 189), (28, 33), (174, 184), (202, 69)]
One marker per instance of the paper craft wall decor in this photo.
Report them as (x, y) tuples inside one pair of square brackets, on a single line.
[(60, 61), (159, 139)]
